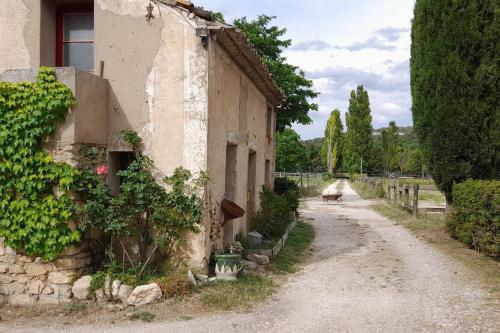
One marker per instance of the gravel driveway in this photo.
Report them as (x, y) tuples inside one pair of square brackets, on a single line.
[(366, 275)]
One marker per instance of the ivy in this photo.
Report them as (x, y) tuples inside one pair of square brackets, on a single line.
[(35, 205)]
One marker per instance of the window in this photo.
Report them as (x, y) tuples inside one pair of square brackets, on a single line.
[(269, 124), (75, 37), (268, 174)]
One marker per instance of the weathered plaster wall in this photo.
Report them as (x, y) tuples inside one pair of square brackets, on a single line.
[(237, 115), (14, 18), (157, 72)]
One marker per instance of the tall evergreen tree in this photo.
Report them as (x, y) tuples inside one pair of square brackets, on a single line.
[(358, 145), (332, 146), (455, 60), (390, 146)]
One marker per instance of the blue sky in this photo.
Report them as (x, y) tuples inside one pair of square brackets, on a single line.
[(341, 44)]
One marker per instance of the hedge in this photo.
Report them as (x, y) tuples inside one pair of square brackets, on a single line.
[(475, 216)]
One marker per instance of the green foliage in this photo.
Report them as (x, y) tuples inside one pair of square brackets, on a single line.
[(269, 43), (97, 282), (35, 205), (289, 151), (313, 161), (475, 218), (131, 138), (332, 146), (390, 147), (359, 137), (274, 215), (143, 209), (455, 88), (288, 189), (218, 17)]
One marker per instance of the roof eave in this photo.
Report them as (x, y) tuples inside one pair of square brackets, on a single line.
[(237, 45)]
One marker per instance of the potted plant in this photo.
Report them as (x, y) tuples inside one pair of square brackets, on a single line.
[(228, 265)]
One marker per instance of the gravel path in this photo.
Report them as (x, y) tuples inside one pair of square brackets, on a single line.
[(366, 275)]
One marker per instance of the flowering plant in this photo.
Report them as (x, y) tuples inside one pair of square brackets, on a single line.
[(102, 170)]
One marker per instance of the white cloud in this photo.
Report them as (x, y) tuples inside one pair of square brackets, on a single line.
[(341, 44)]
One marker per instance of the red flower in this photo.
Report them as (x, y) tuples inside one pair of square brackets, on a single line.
[(102, 170)]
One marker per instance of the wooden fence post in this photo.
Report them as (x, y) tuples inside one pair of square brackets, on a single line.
[(415, 200), (407, 197)]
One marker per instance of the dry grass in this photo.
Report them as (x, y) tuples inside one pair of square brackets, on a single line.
[(243, 293), (432, 229)]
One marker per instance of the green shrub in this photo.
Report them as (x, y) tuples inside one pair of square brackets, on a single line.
[(274, 215), (475, 218), (288, 189)]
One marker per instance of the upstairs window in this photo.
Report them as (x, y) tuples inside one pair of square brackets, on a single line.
[(75, 37)]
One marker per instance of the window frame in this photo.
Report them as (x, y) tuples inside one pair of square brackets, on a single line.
[(60, 42)]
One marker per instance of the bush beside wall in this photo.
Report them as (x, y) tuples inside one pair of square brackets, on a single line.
[(274, 215), (475, 217)]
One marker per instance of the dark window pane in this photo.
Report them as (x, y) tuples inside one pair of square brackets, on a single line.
[(78, 27), (79, 55)]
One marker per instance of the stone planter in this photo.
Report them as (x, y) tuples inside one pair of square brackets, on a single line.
[(227, 266)]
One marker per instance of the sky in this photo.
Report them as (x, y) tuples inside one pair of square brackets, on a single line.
[(341, 44)]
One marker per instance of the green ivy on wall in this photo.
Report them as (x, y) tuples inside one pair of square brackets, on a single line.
[(35, 205)]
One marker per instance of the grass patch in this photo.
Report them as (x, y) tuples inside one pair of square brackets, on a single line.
[(74, 308), (432, 228), (295, 249), (144, 316), (434, 196), (416, 181), (364, 190), (243, 293), (312, 187)]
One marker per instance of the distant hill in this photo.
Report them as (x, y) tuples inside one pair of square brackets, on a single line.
[(406, 134)]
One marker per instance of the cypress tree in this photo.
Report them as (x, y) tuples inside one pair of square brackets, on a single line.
[(358, 146), (390, 146), (455, 88), (332, 146)]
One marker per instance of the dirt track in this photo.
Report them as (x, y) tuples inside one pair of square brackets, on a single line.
[(366, 275)]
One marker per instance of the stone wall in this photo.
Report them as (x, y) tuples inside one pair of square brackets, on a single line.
[(28, 280)]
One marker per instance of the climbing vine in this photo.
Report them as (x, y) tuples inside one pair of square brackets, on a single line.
[(35, 205), (155, 219)]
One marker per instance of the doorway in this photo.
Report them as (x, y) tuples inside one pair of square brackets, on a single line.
[(230, 187), (251, 193)]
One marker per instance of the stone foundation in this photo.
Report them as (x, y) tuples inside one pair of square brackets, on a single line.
[(28, 280)]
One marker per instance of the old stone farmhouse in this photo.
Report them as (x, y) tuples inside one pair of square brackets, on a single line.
[(195, 91)]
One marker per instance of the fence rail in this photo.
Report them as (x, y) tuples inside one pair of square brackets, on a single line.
[(399, 194)]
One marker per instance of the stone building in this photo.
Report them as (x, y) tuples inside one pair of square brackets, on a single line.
[(194, 89)]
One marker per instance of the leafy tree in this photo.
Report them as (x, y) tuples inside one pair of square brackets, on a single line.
[(455, 88), (332, 146), (289, 151), (358, 146), (390, 146), (313, 161), (269, 43)]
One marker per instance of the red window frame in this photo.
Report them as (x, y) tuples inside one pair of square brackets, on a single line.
[(61, 11)]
